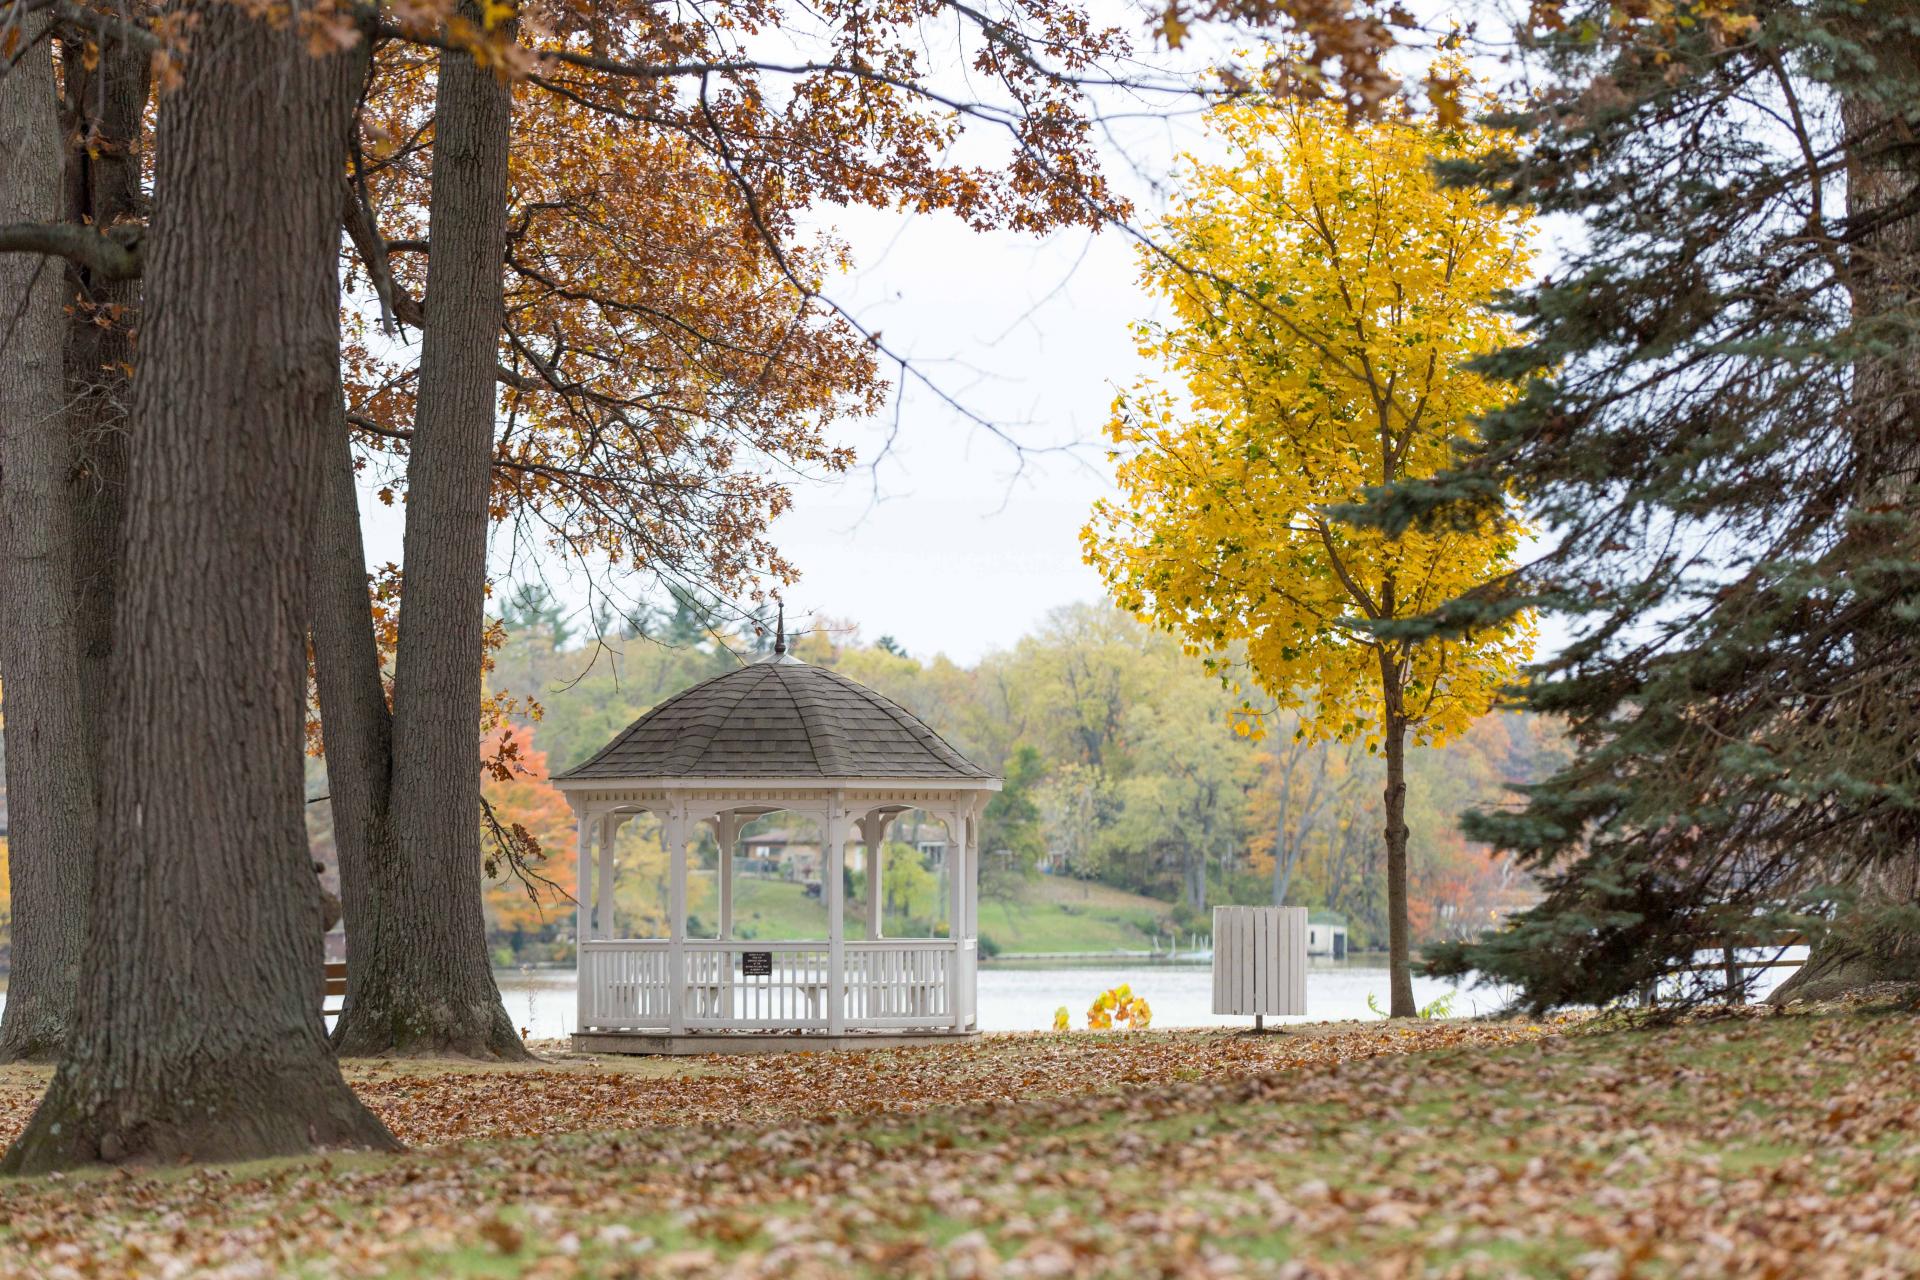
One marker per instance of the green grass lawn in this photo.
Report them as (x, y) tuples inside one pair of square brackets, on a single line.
[(1751, 1145)]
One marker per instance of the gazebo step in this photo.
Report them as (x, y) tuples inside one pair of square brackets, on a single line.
[(699, 1042)]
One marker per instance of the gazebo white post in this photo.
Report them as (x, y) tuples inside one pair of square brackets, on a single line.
[(673, 834), (973, 864), (610, 824), (835, 830), (873, 834), (956, 821), (583, 917), (972, 988), (726, 833)]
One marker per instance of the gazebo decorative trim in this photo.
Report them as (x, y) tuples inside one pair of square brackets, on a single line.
[(758, 740)]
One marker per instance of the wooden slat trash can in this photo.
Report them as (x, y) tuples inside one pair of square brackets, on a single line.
[(1260, 961)]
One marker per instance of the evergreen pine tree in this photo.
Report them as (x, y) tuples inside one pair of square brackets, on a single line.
[(1718, 428)]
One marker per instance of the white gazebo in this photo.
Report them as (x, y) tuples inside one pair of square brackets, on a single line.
[(778, 735)]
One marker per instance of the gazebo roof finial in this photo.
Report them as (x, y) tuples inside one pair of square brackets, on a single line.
[(780, 631)]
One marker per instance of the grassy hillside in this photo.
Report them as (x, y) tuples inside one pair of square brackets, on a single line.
[(1056, 914), (1045, 914)]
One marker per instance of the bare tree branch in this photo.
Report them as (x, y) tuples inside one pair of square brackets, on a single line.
[(111, 255)]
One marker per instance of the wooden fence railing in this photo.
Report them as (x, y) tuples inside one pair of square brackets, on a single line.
[(1732, 965)]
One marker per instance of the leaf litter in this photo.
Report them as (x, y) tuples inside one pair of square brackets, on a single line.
[(1766, 1146)]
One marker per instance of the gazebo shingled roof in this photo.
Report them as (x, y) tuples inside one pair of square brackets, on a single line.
[(778, 719)]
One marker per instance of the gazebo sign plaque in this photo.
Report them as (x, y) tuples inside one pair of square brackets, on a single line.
[(756, 964)]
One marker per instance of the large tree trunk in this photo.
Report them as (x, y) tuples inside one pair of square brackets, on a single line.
[(49, 778), (197, 1033), (1399, 928), (424, 984)]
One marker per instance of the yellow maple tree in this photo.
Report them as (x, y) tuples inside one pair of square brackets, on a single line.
[(1328, 295)]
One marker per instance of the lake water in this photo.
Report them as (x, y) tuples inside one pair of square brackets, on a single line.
[(1020, 999)]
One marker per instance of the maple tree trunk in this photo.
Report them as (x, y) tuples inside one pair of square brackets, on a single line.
[(424, 983), (197, 1032), (1399, 928), (49, 784), (356, 725)]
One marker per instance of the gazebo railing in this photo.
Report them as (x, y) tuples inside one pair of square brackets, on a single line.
[(890, 983), (791, 994), (900, 982), (625, 984)]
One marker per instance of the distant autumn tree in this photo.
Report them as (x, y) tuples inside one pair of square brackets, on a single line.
[(1328, 295), (523, 808), (1303, 789)]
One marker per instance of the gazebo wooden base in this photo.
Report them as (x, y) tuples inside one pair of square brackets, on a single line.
[(698, 1042)]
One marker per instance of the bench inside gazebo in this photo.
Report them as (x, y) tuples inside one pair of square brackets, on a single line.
[(774, 736)]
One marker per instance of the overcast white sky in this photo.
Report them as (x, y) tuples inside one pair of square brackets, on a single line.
[(946, 537), (969, 543), (951, 540)]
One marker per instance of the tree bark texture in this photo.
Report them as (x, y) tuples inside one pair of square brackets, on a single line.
[(49, 779), (423, 982), (105, 106), (197, 1033), (1399, 927)]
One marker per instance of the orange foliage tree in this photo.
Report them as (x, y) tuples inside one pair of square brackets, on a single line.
[(522, 807)]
